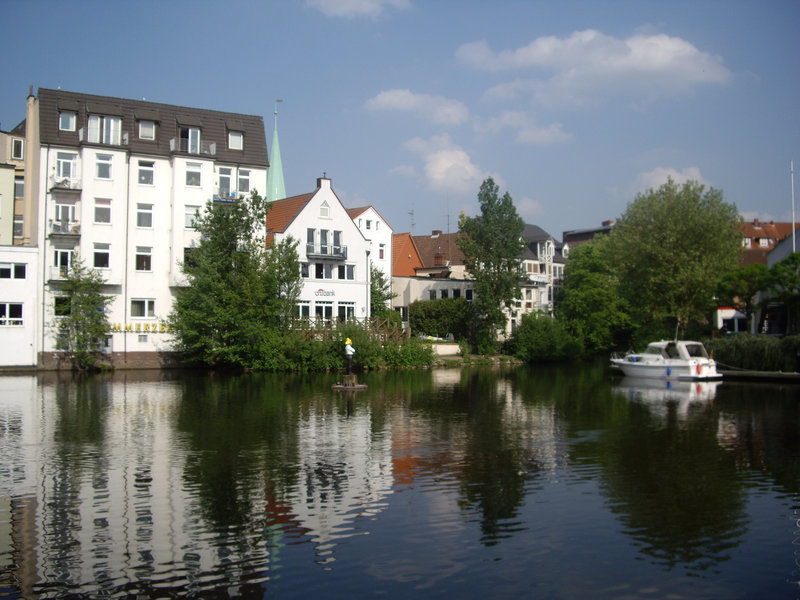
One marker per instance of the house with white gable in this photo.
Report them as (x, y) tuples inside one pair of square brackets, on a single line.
[(378, 232), (334, 254)]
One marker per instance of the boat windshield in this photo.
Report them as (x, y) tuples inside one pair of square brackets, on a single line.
[(652, 349), (696, 350)]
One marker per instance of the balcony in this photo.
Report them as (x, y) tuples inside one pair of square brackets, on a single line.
[(64, 184), (326, 251), (182, 145), (538, 277), (65, 228), (58, 273)]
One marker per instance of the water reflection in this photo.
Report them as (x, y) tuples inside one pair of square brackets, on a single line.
[(472, 482)]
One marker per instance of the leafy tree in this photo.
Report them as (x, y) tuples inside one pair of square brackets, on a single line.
[(784, 287), (81, 320), (670, 248), (380, 292), (540, 338), (591, 307), (741, 287), (440, 317), (239, 293), (492, 245)]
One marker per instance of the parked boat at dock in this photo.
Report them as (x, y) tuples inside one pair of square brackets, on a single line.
[(676, 359)]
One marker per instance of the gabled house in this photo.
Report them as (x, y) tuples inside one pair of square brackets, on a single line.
[(378, 232), (760, 238), (334, 254)]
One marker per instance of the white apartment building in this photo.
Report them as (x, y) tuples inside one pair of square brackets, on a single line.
[(378, 233), (334, 255), (119, 183)]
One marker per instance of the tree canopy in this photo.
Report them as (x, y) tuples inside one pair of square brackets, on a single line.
[(239, 293), (81, 320), (492, 247), (670, 248)]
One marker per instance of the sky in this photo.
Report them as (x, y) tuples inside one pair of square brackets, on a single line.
[(572, 107)]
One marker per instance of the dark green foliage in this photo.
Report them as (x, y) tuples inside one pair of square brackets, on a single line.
[(439, 318), (492, 245), (590, 306), (670, 248), (239, 294), (408, 353), (380, 292), (741, 286), (539, 338), (81, 322), (757, 353), (783, 285)]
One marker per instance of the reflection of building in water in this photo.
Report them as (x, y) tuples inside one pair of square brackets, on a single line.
[(346, 470)]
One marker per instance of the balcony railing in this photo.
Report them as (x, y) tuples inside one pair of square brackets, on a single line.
[(65, 228), (182, 145), (326, 251), (58, 273), (64, 183)]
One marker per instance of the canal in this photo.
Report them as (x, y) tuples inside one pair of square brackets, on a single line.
[(528, 482)]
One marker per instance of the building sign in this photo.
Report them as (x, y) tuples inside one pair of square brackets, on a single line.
[(140, 328), (321, 292)]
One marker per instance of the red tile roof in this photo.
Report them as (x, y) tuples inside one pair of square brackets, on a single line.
[(405, 256), (282, 212)]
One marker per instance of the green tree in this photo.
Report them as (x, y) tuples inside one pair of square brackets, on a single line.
[(741, 287), (670, 248), (380, 292), (590, 305), (81, 320), (492, 245), (439, 318), (784, 288), (239, 293)]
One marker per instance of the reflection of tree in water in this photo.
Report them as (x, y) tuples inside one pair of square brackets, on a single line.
[(674, 489)]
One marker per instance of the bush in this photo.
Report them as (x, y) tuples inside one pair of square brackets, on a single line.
[(539, 338), (440, 318), (757, 353), (409, 353)]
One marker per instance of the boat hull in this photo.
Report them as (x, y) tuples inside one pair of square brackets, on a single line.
[(687, 372)]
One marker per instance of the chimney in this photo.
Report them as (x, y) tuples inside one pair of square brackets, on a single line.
[(323, 182), (608, 223)]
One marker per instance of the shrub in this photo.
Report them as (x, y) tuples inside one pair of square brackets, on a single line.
[(539, 338), (757, 353), (408, 353)]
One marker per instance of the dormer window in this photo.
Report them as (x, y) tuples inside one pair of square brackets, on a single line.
[(746, 242), (763, 242), (190, 140), (147, 130), (105, 130), (66, 121), (235, 140)]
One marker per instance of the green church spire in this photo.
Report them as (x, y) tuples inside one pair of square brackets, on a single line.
[(275, 187)]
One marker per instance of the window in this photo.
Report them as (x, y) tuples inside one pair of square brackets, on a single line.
[(19, 223), (346, 272), (12, 271), (303, 309), (144, 215), (763, 242), (190, 213), (304, 270), (102, 210), (66, 165), (324, 210), (62, 260), (147, 130), (106, 130), (351, 272), (10, 314), (104, 166), (746, 243), (431, 294), (62, 306), (190, 140), (146, 172), (65, 210), (244, 181), (235, 140), (143, 254), (225, 182), (443, 294), (101, 255), (369, 224), (193, 172), (19, 187), (323, 241), (456, 293), (310, 235), (143, 309), (66, 121), (17, 145), (188, 260), (468, 295), (381, 249), (318, 271)]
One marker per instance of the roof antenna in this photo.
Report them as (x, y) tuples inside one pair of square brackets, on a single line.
[(411, 213)]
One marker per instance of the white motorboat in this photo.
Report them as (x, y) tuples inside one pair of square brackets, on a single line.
[(669, 360)]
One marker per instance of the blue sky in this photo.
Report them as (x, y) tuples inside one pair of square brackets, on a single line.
[(408, 105)]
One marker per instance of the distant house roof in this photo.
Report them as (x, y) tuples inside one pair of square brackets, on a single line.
[(405, 256), (214, 126), (533, 235), (576, 237), (439, 249), (355, 212), (763, 237)]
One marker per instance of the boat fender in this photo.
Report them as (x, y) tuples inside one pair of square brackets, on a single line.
[(669, 371), (698, 368)]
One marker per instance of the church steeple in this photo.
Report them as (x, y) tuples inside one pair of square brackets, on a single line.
[(275, 187)]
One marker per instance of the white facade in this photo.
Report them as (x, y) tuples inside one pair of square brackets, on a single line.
[(334, 255), (19, 302), (378, 232)]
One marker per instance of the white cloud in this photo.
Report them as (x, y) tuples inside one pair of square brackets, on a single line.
[(529, 209), (588, 64), (352, 9), (659, 176), (448, 167), (528, 131), (437, 109)]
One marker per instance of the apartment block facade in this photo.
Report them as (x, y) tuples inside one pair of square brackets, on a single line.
[(118, 184)]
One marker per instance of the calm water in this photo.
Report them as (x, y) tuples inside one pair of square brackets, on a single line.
[(523, 483)]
